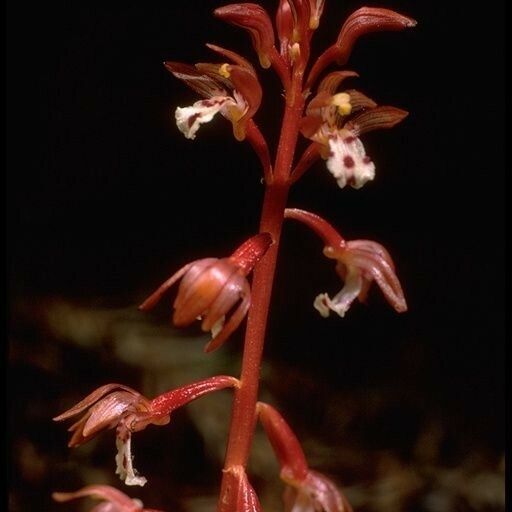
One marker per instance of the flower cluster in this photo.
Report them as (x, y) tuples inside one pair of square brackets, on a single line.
[(216, 291)]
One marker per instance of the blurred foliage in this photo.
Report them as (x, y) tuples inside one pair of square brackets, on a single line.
[(382, 445)]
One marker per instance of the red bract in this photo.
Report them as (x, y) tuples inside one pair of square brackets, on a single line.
[(238, 494), (112, 499), (211, 287), (358, 263), (316, 493), (256, 21)]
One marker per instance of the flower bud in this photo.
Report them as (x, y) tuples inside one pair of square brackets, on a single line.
[(256, 21), (364, 21)]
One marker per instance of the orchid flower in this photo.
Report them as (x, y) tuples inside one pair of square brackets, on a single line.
[(126, 410), (334, 120), (358, 264), (210, 287), (231, 89)]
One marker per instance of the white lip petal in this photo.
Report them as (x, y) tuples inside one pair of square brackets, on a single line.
[(341, 302), (348, 162), (189, 119), (322, 304), (124, 463)]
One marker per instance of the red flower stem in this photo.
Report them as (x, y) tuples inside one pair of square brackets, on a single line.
[(308, 158), (280, 67), (328, 57), (259, 144), (176, 398), (244, 416)]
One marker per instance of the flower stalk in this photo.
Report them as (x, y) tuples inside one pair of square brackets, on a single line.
[(217, 291)]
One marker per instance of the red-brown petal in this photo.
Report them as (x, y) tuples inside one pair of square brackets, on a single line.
[(359, 101), (371, 247), (333, 80), (227, 298), (321, 100), (364, 21), (254, 19), (202, 292), (378, 269), (247, 84), (309, 125), (121, 501), (107, 412), (301, 12), (199, 82), (152, 300), (316, 8), (284, 24), (234, 57), (234, 321), (196, 269), (92, 398), (377, 118)]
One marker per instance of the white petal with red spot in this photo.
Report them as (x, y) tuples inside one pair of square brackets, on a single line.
[(189, 119), (348, 162)]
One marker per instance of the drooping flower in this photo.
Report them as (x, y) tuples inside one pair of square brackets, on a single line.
[(335, 120), (121, 407), (231, 89), (306, 490), (113, 406), (211, 287), (358, 264), (112, 499)]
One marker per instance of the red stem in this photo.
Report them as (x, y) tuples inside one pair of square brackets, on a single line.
[(309, 157), (176, 398), (259, 144), (243, 420)]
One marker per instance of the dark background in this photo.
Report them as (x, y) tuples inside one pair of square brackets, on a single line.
[(105, 198)]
